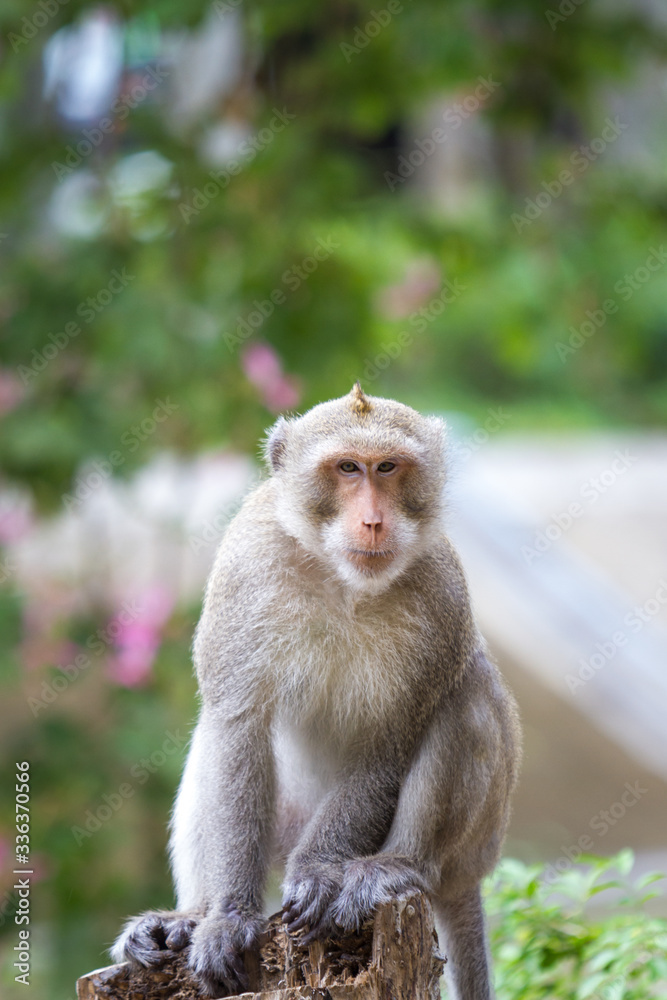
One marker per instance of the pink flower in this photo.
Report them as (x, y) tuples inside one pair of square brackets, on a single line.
[(12, 390), (282, 394), (132, 666), (15, 522), (421, 282), (263, 368), (138, 637), (261, 364)]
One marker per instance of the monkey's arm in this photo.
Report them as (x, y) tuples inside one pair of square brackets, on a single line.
[(353, 821), (223, 814), (220, 842)]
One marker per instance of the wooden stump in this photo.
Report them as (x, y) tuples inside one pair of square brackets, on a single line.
[(393, 957)]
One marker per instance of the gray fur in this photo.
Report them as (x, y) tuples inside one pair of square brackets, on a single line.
[(352, 723)]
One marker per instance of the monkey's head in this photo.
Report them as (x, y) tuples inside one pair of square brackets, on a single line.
[(359, 483)]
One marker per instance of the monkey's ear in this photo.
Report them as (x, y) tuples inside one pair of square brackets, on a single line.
[(439, 438), (438, 427), (276, 444)]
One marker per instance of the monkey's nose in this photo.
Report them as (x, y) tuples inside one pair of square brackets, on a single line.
[(374, 522)]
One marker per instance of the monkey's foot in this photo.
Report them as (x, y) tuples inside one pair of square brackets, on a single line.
[(216, 952), (368, 882), (150, 938), (308, 897)]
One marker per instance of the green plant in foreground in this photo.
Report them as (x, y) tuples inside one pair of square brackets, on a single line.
[(548, 942)]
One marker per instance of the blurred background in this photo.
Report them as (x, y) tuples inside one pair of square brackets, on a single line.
[(214, 213)]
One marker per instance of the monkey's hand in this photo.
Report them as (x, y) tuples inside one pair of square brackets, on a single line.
[(216, 952), (150, 938), (368, 882), (309, 891)]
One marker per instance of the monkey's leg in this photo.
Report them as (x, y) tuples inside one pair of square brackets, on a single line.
[(450, 817), (222, 828), (462, 933), (425, 815)]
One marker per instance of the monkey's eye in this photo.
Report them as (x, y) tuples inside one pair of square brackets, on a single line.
[(348, 467), (386, 466)]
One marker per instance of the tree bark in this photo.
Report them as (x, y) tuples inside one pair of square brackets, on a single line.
[(393, 957)]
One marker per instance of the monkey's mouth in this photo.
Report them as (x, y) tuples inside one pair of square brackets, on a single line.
[(370, 558)]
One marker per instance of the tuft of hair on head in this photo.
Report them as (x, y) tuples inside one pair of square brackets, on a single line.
[(361, 404)]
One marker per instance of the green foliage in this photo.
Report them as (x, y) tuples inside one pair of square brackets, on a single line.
[(195, 275), (170, 333), (549, 940)]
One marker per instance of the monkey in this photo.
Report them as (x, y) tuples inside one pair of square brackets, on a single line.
[(353, 726)]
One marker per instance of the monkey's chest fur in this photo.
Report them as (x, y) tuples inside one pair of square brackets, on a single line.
[(340, 674), (342, 666)]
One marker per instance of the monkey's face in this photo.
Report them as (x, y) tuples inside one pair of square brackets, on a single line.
[(359, 483), (367, 514), (369, 525)]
